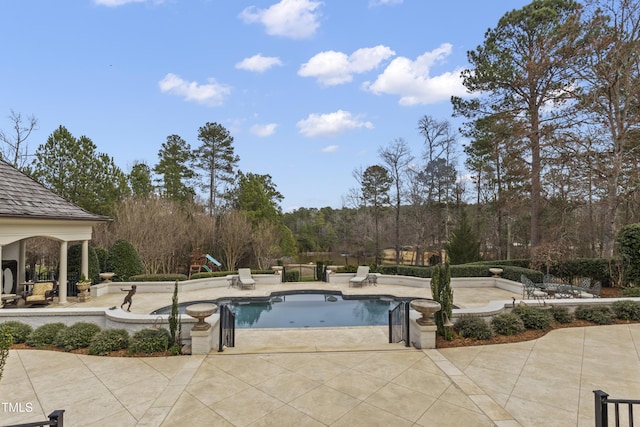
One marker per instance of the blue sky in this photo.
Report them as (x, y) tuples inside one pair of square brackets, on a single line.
[(308, 89)]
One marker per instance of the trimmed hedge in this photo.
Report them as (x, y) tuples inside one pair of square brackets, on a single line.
[(18, 330), (626, 310), (149, 341), (507, 324), (124, 261), (561, 314), (598, 314), (473, 327), (534, 318), (45, 335), (108, 340), (76, 336)]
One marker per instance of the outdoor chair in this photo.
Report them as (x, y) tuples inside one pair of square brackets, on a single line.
[(564, 291), (592, 292), (41, 293), (360, 277), (245, 279), (531, 290)]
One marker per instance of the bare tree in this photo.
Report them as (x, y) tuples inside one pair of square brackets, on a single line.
[(16, 149), (265, 244), (234, 237)]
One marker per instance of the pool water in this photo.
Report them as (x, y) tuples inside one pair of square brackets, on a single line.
[(306, 310)]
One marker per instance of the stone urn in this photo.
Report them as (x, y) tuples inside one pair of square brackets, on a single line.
[(427, 308), (495, 271), (106, 277), (83, 287), (201, 312)]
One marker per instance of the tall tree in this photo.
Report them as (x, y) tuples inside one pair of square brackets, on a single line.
[(609, 68), (523, 68), (234, 237), (174, 170), (73, 169), (397, 158), (15, 149), (376, 184), (140, 180), (258, 197), (216, 159)]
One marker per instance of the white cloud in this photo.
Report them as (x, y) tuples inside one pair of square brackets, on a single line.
[(374, 3), (211, 93), (296, 19), (330, 148), (264, 130), (331, 124), (116, 3), (332, 68), (411, 80), (258, 63)]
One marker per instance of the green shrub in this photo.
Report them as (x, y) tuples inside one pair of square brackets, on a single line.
[(534, 318), (507, 324), (74, 259), (292, 276), (561, 314), (6, 340), (102, 255), (19, 331), (627, 310), (631, 292), (598, 314), (628, 240), (149, 341), (108, 340), (76, 336), (45, 334), (473, 327), (124, 261)]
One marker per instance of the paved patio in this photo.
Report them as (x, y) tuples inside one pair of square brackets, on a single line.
[(342, 376)]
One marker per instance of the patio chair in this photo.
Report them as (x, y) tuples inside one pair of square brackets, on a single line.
[(245, 279), (592, 292), (41, 293), (360, 277), (531, 290), (564, 291)]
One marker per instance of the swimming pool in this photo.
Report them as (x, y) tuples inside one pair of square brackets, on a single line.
[(306, 310)]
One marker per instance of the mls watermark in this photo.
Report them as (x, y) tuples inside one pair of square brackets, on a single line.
[(17, 407)]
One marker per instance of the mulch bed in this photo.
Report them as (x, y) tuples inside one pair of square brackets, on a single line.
[(117, 353)]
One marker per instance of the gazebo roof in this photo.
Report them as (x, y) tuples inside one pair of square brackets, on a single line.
[(22, 197)]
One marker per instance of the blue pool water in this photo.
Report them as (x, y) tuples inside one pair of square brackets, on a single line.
[(305, 310)]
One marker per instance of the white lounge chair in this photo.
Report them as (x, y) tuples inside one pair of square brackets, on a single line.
[(245, 279), (360, 277)]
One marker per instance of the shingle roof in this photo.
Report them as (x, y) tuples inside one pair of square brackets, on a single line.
[(23, 197)]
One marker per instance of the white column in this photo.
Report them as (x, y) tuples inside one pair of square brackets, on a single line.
[(84, 263), (62, 279), (1, 273), (22, 259)]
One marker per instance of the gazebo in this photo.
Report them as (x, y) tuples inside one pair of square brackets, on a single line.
[(28, 209)]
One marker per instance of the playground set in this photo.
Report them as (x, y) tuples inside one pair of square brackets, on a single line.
[(203, 262)]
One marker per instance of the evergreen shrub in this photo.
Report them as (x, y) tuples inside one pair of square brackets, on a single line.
[(76, 336), (108, 340), (627, 310), (598, 314), (147, 341), (473, 327), (561, 314), (19, 331), (507, 324), (534, 318), (45, 335), (124, 261)]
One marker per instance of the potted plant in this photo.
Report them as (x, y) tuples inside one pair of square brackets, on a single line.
[(83, 286)]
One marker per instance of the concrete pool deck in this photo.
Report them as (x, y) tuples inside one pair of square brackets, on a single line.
[(336, 377)]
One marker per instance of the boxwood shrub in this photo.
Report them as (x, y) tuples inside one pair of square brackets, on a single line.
[(507, 324), (535, 318), (108, 340), (599, 314), (45, 334), (18, 330), (76, 336), (473, 327), (627, 310), (149, 341), (561, 314), (631, 292)]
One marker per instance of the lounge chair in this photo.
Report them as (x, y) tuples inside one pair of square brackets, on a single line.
[(41, 293), (245, 279), (530, 290), (360, 277)]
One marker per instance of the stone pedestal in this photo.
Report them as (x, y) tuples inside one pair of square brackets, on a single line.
[(422, 336), (202, 341), (83, 295)]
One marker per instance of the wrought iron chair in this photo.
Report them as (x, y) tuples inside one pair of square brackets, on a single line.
[(531, 290)]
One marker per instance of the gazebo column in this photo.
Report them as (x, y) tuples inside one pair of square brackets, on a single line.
[(22, 260), (84, 263), (1, 273), (62, 278)]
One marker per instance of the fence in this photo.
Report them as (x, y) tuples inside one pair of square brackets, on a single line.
[(56, 418), (602, 403)]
